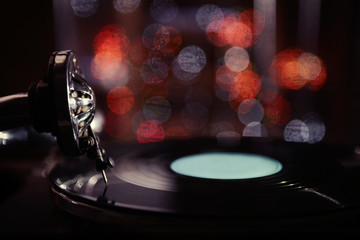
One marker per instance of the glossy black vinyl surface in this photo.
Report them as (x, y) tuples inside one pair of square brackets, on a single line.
[(315, 179)]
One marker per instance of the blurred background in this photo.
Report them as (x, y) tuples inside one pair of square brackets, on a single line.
[(167, 69)]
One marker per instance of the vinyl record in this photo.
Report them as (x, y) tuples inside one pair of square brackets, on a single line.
[(313, 180)]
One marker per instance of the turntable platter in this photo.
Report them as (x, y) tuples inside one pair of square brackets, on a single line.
[(143, 181)]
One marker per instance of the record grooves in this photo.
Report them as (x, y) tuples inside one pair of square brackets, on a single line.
[(312, 181)]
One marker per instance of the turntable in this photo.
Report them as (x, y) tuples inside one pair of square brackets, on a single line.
[(193, 118)]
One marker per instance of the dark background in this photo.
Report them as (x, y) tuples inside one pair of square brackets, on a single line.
[(28, 38)]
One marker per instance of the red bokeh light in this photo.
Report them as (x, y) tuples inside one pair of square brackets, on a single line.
[(215, 33), (313, 69), (171, 42), (150, 90), (108, 66), (278, 111), (150, 131), (247, 84), (111, 38), (238, 32), (110, 48), (317, 83), (246, 106), (256, 19), (120, 99), (225, 77), (291, 70), (235, 102), (177, 132), (284, 70), (139, 52), (236, 29)]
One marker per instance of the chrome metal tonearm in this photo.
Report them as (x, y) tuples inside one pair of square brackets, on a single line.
[(63, 104)]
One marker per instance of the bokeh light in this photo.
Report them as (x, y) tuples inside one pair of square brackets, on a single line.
[(192, 59), (225, 77), (313, 69), (316, 127), (207, 14), (268, 94), (172, 39), (139, 52), (235, 28), (215, 33), (154, 71), (250, 110), (155, 36), (150, 131), (177, 132), (157, 108), (285, 71), (150, 90), (109, 68), (236, 59), (112, 39), (84, 8), (293, 68), (110, 48), (186, 78), (256, 19), (278, 111), (237, 31), (296, 131), (255, 129), (247, 84), (126, 6), (160, 83), (120, 99), (309, 66)]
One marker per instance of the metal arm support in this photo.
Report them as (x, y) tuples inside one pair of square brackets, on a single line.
[(14, 111)]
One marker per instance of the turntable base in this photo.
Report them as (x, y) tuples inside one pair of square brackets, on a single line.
[(315, 191)]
